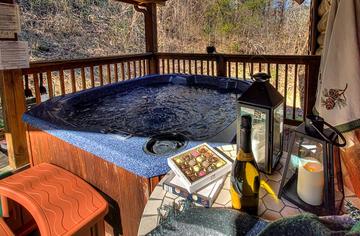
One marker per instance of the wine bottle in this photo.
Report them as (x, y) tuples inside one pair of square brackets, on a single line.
[(245, 177)]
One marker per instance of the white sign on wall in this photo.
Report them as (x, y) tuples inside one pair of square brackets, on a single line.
[(14, 55), (9, 20)]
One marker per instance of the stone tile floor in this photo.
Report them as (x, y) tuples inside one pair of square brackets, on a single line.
[(270, 207)]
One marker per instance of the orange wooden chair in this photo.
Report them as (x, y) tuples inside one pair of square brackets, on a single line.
[(60, 202)]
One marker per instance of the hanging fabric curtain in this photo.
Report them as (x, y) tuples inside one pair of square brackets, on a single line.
[(338, 95)]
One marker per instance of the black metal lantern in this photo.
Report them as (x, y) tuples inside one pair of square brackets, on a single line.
[(265, 104), (312, 177)]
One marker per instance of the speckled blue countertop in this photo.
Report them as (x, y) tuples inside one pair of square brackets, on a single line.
[(127, 153), (124, 151)]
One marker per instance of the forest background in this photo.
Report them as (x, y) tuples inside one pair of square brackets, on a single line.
[(63, 29)]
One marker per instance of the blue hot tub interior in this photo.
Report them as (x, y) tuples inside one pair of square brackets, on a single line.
[(201, 108)]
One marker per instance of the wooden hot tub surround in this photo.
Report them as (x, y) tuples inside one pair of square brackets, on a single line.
[(130, 191)]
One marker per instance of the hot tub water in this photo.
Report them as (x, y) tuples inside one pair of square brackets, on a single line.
[(195, 112)]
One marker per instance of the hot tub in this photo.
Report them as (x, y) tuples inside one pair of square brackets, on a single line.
[(134, 126), (116, 122)]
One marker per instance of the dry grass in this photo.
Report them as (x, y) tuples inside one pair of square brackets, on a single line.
[(62, 29)]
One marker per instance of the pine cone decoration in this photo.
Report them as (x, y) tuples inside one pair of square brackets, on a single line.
[(334, 97), (334, 93), (330, 103)]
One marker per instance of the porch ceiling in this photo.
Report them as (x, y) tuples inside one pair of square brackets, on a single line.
[(142, 2)]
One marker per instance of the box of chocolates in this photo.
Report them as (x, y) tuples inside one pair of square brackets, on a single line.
[(204, 196), (199, 166)]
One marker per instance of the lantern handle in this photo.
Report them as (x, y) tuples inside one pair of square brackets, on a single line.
[(338, 133)]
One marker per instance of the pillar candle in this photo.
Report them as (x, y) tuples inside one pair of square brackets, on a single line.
[(310, 184)]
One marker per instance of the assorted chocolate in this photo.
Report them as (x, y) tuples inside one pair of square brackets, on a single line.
[(198, 163)]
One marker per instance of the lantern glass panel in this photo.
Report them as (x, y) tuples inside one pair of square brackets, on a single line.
[(303, 149), (305, 173), (278, 132), (259, 133)]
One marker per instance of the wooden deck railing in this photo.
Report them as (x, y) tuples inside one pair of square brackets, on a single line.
[(294, 76), (68, 76), (203, 64)]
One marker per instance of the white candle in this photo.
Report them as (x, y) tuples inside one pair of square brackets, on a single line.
[(310, 184)]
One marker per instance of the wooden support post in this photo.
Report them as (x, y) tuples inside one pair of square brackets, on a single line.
[(313, 32), (220, 65), (151, 28), (151, 39), (13, 102), (312, 74)]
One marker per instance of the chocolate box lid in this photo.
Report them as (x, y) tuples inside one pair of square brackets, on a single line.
[(199, 166)]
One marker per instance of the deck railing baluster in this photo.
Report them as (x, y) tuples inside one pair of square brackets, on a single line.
[(116, 72), (122, 71), (285, 90), (62, 82), (277, 77), (37, 88), (168, 66), (83, 78), (212, 68), (147, 67), (196, 69), (207, 67), (139, 68), (134, 68), (101, 76), (228, 68), (173, 61), (108, 73), (189, 66), (244, 70), (162, 66), (92, 77), (50, 84), (237, 69), (140, 64), (73, 82), (128, 70), (295, 88)]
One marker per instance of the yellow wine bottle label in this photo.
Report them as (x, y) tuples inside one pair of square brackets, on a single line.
[(235, 198), (250, 174)]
